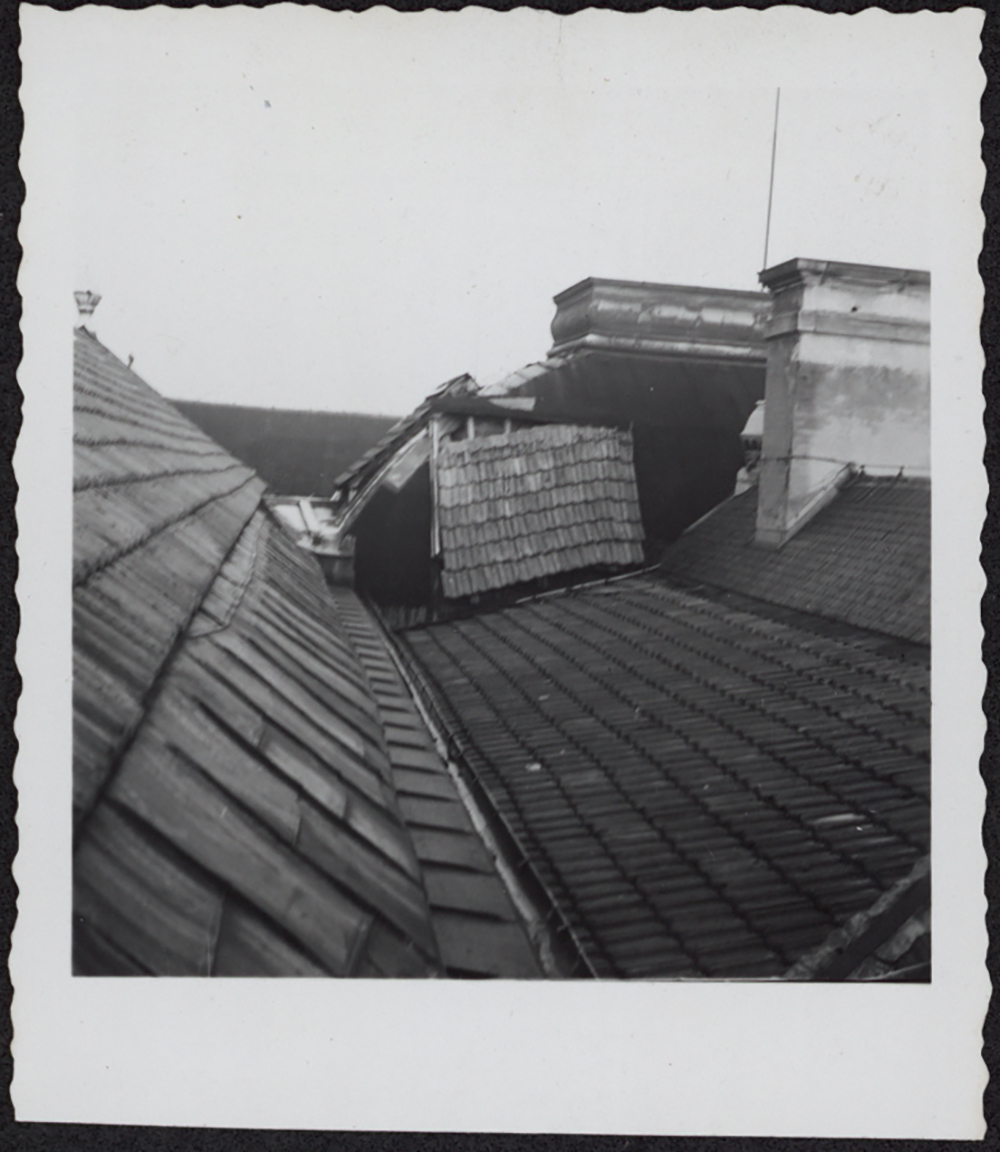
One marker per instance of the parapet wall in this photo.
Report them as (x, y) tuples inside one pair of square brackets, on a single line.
[(661, 319)]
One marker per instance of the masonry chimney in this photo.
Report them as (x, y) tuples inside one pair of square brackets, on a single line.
[(848, 385)]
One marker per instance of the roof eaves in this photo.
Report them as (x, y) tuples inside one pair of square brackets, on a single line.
[(873, 940)]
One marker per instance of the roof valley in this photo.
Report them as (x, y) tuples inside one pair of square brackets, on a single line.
[(480, 932)]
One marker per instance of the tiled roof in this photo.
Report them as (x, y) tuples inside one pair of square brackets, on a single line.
[(157, 508), (864, 559), (686, 415), (235, 781), (532, 503), (704, 790), (889, 941)]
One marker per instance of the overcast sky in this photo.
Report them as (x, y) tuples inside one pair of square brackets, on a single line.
[(295, 208)]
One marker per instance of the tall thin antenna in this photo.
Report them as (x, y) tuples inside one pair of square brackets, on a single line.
[(770, 191)]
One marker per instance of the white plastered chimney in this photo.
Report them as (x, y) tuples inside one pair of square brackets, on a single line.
[(848, 385)]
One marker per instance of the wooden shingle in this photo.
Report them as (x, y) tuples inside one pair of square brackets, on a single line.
[(522, 505), (234, 803)]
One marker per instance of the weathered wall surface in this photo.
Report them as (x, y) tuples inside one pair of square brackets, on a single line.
[(848, 384)]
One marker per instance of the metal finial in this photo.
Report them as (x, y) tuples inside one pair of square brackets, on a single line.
[(86, 302)]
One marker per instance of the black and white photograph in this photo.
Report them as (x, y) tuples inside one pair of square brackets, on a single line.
[(498, 468)]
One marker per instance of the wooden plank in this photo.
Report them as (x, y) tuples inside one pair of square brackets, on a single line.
[(338, 673), (182, 726), (112, 640), (397, 896), (103, 712), (431, 785), (192, 813), (411, 736), (298, 764), (462, 891), (385, 830), (254, 650), (127, 519), (156, 910), (123, 464), (461, 849), (269, 691), (422, 759), (247, 946), (93, 746), (275, 803), (234, 579), (329, 642), (138, 595), (221, 700), (388, 955), (95, 955), (489, 949), (435, 813), (131, 589)]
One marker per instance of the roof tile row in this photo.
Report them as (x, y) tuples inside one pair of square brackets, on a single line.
[(704, 790), (864, 559), (478, 931), (536, 502)]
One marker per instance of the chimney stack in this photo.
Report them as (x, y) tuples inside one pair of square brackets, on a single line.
[(848, 385)]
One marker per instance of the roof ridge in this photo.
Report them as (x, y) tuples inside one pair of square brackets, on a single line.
[(134, 378)]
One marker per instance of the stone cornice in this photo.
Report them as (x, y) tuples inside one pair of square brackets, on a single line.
[(664, 319), (590, 283), (801, 271), (701, 349)]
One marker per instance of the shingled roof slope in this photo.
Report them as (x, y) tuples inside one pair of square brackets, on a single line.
[(157, 508), (235, 794), (686, 415), (705, 790), (518, 506), (864, 559)]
